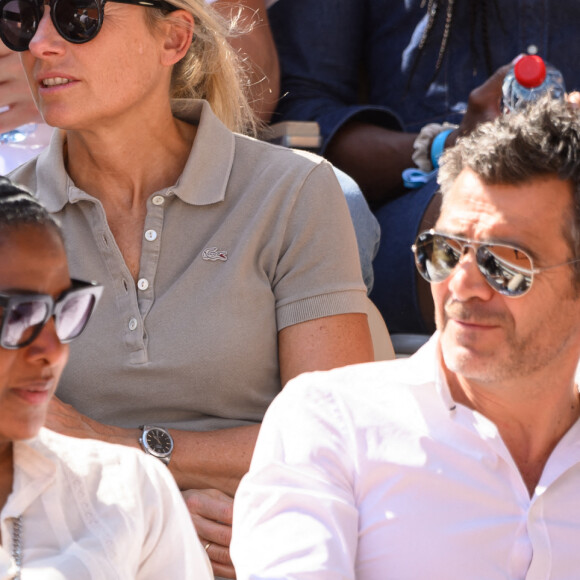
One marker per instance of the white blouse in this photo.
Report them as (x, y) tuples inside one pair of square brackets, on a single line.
[(92, 510)]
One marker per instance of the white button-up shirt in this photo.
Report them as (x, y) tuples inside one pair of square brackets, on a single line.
[(91, 510), (373, 472)]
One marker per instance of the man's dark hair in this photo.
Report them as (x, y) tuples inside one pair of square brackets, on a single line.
[(541, 141)]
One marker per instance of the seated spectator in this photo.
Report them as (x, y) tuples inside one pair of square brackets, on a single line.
[(229, 265), (374, 74), (69, 508), (462, 461), (254, 45)]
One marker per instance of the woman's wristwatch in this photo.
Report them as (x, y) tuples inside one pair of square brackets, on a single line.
[(156, 441)]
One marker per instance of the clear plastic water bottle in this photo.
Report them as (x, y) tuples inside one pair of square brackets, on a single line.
[(529, 78)]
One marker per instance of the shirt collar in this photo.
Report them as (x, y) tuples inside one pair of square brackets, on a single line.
[(51, 173), (427, 367), (207, 171), (33, 473), (204, 178)]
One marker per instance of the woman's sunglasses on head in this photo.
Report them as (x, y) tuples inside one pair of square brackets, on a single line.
[(507, 269), (77, 21), (23, 316)]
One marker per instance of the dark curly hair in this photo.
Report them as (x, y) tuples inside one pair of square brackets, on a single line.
[(541, 141)]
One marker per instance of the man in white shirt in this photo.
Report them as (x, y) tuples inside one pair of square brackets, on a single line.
[(462, 461)]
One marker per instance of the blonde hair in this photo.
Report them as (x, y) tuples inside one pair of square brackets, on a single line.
[(211, 69)]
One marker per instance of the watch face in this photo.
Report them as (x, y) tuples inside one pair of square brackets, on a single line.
[(158, 441)]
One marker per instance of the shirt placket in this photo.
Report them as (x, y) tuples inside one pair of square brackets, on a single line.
[(134, 299), (150, 250)]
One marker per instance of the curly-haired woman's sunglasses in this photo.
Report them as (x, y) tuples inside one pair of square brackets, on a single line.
[(23, 315), (77, 21), (507, 269)]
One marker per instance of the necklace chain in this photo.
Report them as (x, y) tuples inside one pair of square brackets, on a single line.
[(16, 548)]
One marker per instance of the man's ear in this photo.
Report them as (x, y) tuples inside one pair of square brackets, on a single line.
[(178, 28)]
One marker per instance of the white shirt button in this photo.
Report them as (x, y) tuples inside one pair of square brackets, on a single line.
[(532, 49), (158, 200), (132, 324), (150, 235), (143, 284)]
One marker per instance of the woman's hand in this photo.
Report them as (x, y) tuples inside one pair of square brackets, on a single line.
[(211, 512)]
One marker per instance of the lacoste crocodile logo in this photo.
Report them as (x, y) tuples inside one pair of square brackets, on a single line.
[(213, 254)]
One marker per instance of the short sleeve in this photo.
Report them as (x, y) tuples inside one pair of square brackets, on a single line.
[(318, 272)]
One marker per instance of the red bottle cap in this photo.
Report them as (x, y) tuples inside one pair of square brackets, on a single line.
[(530, 71)]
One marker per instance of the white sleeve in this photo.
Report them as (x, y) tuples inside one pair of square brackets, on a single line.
[(172, 548), (294, 512)]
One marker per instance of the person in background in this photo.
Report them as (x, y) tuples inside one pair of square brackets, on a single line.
[(463, 460), (69, 508), (229, 265), (375, 74)]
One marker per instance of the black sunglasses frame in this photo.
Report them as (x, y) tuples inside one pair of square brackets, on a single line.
[(483, 252), (38, 11), (54, 307)]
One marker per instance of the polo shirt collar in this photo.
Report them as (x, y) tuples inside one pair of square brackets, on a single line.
[(204, 178), (207, 171), (51, 174)]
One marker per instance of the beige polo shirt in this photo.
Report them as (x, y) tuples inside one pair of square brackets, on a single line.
[(251, 239)]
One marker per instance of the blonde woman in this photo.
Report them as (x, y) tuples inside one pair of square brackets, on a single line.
[(229, 265)]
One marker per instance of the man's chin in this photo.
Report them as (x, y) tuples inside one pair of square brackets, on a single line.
[(467, 357)]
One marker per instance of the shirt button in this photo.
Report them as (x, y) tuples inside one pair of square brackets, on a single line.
[(150, 235), (158, 200), (132, 324), (143, 284), (532, 49)]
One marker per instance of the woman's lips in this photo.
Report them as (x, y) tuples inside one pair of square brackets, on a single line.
[(35, 393)]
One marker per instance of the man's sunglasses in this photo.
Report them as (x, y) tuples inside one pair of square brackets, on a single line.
[(76, 21), (508, 270), (23, 316)]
